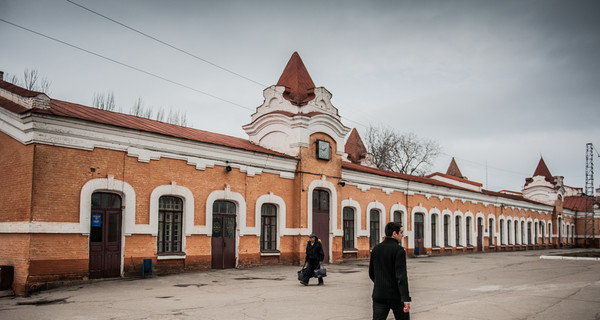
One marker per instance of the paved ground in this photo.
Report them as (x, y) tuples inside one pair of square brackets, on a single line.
[(512, 285)]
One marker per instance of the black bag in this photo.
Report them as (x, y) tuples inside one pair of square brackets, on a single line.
[(321, 272), (302, 272)]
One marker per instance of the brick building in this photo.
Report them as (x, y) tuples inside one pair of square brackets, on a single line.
[(89, 193)]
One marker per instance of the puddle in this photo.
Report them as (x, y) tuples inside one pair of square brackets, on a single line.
[(256, 278), (42, 302), (198, 285)]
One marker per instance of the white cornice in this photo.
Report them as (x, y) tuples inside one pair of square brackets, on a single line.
[(146, 146), (363, 179)]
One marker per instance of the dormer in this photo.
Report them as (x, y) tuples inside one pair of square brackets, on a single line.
[(454, 177), (292, 111), (356, 152), (22, 98), (542, 186)]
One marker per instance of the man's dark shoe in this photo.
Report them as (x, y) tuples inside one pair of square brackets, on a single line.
[(320, 283), (304, 283)]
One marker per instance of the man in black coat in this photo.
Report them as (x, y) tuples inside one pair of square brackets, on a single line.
[(314, 256), (387, 270)]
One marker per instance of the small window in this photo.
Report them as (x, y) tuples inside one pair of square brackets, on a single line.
[(348, 242), (457, 230), (170, 218), (446, 231), (434, 230), (398, 216), (374, 228), (268, 222)]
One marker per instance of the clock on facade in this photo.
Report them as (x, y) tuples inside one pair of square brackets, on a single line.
[(323, 150)]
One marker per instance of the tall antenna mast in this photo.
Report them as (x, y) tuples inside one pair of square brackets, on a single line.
[(589, 230)]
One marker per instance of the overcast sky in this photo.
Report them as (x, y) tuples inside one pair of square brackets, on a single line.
[(495, 83)]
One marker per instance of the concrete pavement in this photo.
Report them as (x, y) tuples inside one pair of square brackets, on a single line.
[(507, 285)]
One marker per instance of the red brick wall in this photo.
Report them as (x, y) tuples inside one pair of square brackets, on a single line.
[(16, 167)]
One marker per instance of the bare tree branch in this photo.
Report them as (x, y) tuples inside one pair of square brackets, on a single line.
[(404, 153)]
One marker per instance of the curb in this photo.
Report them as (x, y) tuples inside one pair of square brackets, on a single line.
[(568, 258)]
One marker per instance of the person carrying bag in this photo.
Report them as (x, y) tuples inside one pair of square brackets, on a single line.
[(314, 256)]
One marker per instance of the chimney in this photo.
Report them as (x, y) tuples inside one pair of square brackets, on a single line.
[(1, 75)]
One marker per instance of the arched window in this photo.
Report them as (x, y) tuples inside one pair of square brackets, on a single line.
[(374, 228), (268, 227), (502, 232), (446, 231), (348, 242), (434, 230), (170, 222), (398, 216), (457, 230), (468, 227), (491, 227)]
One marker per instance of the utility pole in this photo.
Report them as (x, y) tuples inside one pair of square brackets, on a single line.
[(589, 230)]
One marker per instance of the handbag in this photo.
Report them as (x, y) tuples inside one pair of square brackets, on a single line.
[(302, 272), (321, 272)]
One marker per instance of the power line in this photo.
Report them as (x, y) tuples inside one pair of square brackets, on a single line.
[(126, 65), (165, 43)]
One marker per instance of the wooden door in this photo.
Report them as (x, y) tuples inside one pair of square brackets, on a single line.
[(105, 243), (419, 235), (223, 241), (321, 219)]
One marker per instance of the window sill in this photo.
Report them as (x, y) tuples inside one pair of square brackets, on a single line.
[(350, 250), (270, 253), (171, 256), (436, 248)]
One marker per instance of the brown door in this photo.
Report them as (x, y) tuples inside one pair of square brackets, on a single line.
[(223, 235), (321, 219), (479, 234), (105, 236), (419, 236)]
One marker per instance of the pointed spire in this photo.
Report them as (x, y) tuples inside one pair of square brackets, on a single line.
[(453, 170), (542, 170), (354, 147), (299, 87)]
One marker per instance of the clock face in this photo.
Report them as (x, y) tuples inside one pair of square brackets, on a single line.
[(323, 149)]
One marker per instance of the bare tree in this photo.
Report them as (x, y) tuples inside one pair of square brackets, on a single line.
[(31, 81), (401, 152), (104, 101)]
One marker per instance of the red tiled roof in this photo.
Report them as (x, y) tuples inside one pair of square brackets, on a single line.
[(11, 106), (357, 167), (18, 90), (391, 174), (453, 169), (354, 147), (299, 87), (455, 178), (577, 203), (77, 111)]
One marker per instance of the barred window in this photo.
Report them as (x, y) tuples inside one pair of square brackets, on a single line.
[(170, 217), (348, 242), (268, 223)]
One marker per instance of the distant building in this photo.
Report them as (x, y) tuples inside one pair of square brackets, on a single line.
[(90, 193)]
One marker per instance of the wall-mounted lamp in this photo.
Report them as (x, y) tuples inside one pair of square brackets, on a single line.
[(342, 183), (228, 167)]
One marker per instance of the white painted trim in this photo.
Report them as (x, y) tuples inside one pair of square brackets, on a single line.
[(333, 212), (376, 205), (357, 219), (109, 184), (188, 209), (278, 202), (39, 227), (240, 215)]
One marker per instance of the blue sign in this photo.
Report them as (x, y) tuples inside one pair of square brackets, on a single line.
[(96, 220)]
